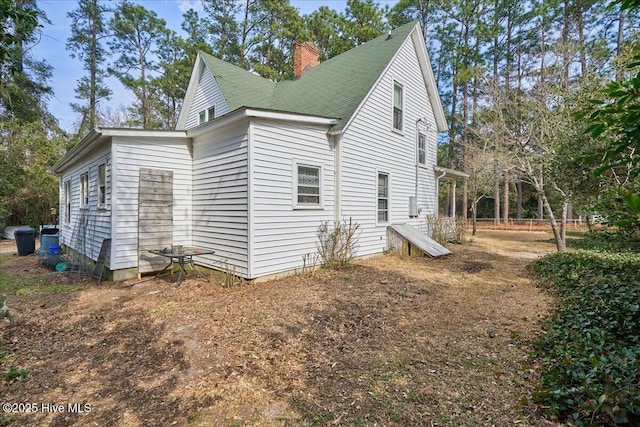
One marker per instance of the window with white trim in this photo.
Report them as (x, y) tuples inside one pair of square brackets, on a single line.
[(422, 149), (383, 197), (67, 202), (102, 185), (308, 185), (84, 190), (202, 117), (211, 113), (398, 103)]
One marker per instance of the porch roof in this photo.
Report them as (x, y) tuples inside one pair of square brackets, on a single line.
[(446, 173)]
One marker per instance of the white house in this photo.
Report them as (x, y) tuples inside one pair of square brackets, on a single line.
[(255, 166)]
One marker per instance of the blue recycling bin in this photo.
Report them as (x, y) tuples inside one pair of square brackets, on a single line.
[(47, 241), (25, 240)]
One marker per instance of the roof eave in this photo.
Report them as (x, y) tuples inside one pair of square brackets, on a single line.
[(88, 142), (248, 112), (190, 94), (429, 78), (96, 136), (449, 173)]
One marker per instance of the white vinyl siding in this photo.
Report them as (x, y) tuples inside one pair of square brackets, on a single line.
[(220, 196), (282, 235), (131, 154), (207, 95), (368, 146), (96, 222)]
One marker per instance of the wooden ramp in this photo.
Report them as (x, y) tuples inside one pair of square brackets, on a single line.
[(409, 236)]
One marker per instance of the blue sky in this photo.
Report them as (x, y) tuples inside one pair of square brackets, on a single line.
[(67, 71)]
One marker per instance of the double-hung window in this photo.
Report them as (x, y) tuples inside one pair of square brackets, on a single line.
[(383, 197), (398, 103), (202, 117), (422, 149), (211, 113), (102, 185), (308, 185), (84, 190), (67, 202)]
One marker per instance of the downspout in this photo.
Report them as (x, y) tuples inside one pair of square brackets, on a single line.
[(419, 121), (415, 145), (337, 160), (250, 200)]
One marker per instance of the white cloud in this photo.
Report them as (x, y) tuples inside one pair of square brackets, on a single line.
[(185, 5)]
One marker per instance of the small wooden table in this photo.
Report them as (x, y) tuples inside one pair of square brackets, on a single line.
[(183, 255)]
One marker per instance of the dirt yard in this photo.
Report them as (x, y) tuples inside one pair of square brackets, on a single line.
[(391, 341)]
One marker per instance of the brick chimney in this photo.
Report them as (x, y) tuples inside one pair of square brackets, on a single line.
[(305, 56)]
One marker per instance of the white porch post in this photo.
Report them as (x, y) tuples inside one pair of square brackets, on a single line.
[(453, 198)]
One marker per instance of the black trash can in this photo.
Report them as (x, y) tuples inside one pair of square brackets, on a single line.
[(25, 240)]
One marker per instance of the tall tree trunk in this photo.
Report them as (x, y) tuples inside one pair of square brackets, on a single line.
[(519, 199), (566, 57), (582, 46), (508, 56), (93, 71), (496, 197), (496, 44), (559, 232), (505, 201), (452, 130), (619, 45), (540, 208), (474, 215)]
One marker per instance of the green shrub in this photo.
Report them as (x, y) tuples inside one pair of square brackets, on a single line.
[(606, 240), (590, 351)]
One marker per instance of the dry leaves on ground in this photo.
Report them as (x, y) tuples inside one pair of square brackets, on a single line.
[(390, 341)]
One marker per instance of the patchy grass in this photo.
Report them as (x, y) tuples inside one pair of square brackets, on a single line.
[(19, 284), (390, 341)]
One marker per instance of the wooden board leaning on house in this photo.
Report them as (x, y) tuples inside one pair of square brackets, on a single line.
[(155, 217), (105, 250)]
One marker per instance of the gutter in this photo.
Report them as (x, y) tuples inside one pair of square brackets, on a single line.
[(245, 113), (83, 146), (92, 139)]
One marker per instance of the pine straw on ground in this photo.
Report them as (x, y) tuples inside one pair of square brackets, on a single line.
[(390, 341)]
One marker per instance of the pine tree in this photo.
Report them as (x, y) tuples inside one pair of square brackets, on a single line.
[(136, 35), (87, 32)]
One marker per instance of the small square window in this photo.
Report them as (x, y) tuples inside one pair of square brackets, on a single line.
[(398, 102), (422, 149), (308, 185), (211, 113)]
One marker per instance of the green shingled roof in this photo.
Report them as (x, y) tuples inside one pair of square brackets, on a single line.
[(334, 88), (240, 87)]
